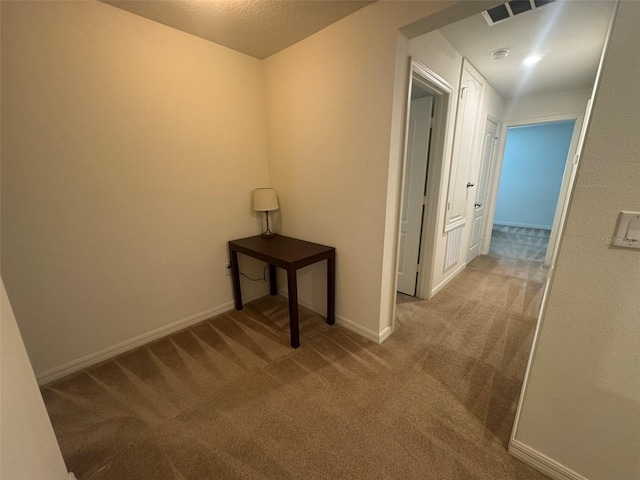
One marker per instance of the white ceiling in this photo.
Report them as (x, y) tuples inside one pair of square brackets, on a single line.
[(257, 28), (569, 33)]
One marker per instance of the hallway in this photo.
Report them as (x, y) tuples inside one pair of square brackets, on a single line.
[(228, 398)]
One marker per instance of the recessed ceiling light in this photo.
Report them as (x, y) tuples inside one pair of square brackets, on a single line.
[(500, 54), (531, 60)]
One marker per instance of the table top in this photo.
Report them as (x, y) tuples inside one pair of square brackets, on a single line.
[(287, 249)]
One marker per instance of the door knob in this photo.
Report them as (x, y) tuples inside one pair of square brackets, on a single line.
[(469, 184), (477, 204)]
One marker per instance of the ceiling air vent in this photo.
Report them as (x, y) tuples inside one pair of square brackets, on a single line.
[(511, 9)]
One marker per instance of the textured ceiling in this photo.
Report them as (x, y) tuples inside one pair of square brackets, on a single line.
[(258, 28), (570, 35)]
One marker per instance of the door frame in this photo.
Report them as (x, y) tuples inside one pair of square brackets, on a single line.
[(443, 96), (563, 196)]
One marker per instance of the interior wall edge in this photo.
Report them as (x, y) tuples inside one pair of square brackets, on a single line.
[(28, 446), (399, 119)]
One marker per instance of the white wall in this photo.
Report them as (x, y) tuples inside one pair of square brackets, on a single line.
[(329, 104), (28, 447), (494, 104), (568, 102), (581, 406), (129, 151)]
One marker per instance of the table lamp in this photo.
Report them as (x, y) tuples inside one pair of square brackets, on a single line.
[(265, 200)]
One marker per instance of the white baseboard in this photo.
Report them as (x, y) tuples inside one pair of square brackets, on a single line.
[(363, 331), (541, 462), (524, 225), (447, 280), (384, 334), (135, 342), (343, 321)]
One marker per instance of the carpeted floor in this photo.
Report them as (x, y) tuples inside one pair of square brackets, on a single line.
[(519, 242), (228, 398)]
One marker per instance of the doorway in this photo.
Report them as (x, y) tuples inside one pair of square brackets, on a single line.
[(531, 188), (427, 112)]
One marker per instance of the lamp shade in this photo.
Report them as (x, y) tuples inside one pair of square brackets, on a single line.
[(265, 200)]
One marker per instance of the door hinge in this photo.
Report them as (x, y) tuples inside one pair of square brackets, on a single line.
[(424, 200), (576, 158), (462, 92)]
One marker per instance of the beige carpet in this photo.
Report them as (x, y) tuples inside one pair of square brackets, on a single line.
[(229, 398)]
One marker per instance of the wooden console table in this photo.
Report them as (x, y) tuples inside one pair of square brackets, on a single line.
[(289, 254)]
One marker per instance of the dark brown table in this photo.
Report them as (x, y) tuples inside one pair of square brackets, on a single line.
[(289, 254)]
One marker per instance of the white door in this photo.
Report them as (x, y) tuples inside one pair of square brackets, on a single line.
[(464, 147), (414, 193), (489, 143)]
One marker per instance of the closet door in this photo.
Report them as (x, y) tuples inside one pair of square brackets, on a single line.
[(464, 146)]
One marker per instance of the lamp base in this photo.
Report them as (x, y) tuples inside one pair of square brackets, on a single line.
[(268, 233)]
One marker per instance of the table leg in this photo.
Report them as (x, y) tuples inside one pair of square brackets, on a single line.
[(331, 288), (235, 277), (273, 284), (292, 280)]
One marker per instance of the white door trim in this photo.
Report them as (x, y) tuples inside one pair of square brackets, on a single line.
[(563, 196), (442, 92)]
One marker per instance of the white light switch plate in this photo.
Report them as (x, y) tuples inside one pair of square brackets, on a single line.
[(628, 230)]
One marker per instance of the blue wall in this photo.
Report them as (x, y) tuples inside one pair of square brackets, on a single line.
[(534, 161)]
